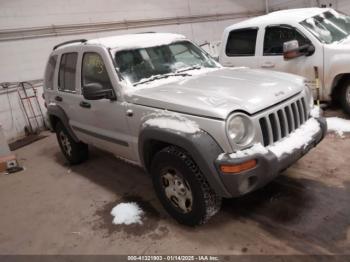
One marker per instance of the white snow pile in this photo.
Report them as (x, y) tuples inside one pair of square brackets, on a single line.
[(298, 139), (334, 124), (172, 121), (338, 125), (257, 148), (315, 112), (127, 213)]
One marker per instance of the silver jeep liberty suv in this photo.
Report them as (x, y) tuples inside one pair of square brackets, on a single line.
[(203, 132)]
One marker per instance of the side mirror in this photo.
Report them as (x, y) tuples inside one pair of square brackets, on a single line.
[(291, 49), (95, 91)]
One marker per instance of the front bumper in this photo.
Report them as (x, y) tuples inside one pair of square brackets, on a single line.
[(268, 165)]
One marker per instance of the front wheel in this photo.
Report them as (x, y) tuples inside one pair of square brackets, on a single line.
[(181, 187), (345, 96)]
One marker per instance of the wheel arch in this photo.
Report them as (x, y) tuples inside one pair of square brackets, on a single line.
[(202, 148), (337, 84), (56, 114)]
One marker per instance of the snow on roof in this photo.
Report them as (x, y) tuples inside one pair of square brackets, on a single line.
[(287, 16), (137, 40)]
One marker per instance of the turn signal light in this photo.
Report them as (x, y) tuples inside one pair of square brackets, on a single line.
[(238, 167)]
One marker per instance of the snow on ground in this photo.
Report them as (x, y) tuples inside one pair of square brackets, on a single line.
[(172, 121), (127, 213), (315, 112), (335, 124), (338, 125)]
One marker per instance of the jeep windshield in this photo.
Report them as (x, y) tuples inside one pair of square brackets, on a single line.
[(328, 27), (148, 64)]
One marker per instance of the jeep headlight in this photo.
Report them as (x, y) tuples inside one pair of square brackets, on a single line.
[(240, 129)]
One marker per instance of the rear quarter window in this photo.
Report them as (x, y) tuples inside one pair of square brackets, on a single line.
[(50, 72), (241, 42)]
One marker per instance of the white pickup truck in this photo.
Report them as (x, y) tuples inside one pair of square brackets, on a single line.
[(311, 42)]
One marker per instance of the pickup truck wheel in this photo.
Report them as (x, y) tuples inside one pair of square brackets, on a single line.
[(345, 96), (74, 152), (181, 187)]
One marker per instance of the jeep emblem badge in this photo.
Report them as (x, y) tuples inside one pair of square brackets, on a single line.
[(279, 93)]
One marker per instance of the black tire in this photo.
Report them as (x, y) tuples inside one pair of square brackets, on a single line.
[(344, 97), (78, 151), (204, 203)]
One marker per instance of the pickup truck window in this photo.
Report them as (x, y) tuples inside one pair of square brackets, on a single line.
[(50, 70), (137, 65), (241, 42), (328, 27), (66, 78), (94, 71), (275, 36)]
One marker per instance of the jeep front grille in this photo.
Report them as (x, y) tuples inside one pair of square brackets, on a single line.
[(281, 123)]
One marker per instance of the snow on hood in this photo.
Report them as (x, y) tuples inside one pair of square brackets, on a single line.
[(216, 93)]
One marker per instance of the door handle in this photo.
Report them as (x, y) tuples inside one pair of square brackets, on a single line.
[(58, 98), (268, 65), (85, 104), (229, 64)]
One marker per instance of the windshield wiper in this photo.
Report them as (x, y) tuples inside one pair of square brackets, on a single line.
[(194, 67), (156, 77)]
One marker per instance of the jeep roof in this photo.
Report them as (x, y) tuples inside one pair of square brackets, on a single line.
[(128, 41)]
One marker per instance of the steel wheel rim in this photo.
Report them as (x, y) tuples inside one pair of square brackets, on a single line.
[(177, 190), (65, 143)]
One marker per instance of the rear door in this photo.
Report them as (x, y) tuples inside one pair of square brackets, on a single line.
[(101, 122), (240, 48), (68, 92)]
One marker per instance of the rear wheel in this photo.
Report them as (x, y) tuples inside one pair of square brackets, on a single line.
[(344, 97), (182, 188), (74, 152)]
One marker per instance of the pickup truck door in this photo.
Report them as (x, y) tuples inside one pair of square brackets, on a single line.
[(271, 53), (101, 122), (240, 49)]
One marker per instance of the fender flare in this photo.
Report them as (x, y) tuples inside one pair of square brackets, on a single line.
[(203, 149), (57, 111)]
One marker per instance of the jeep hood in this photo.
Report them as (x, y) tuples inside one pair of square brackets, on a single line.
[(218, 93)]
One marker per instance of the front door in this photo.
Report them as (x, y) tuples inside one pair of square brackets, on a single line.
[(101, 122), (271, 55)]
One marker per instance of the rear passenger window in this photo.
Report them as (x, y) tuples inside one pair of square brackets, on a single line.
[(241, 42), (275, 36), (50, 71), (66, 78)]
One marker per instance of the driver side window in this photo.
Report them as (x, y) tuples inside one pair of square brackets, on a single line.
[(275, 36), (94, 71)]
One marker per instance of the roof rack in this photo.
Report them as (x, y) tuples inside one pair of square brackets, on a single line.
[(69, 42)]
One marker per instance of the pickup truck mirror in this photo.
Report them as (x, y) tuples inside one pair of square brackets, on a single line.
[(291, 49), (95, 91)]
